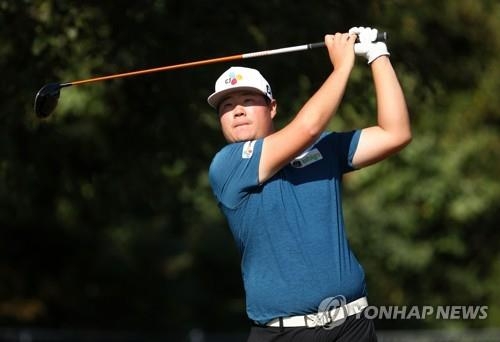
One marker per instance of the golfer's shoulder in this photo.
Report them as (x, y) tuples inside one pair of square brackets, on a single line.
[(243, 150), (224, 156), (228, 151)]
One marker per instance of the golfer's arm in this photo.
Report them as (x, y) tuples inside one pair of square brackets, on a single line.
[(392, 131), (282, 146)]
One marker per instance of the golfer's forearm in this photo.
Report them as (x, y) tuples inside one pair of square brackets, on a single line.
[(322, 106), (392, 112), (282, 146)]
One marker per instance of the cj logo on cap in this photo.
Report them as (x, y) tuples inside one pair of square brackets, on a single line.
[(233, 79)]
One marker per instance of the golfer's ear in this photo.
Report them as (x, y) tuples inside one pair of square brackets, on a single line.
[(273, 105)]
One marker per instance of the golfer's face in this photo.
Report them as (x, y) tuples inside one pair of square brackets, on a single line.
[(246, 116)]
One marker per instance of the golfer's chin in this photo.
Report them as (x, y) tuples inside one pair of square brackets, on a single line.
[(243, 136)]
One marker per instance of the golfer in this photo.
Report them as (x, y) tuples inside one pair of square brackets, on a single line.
[(280, 191)]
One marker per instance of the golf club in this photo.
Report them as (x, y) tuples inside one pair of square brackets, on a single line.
[(47, 97)]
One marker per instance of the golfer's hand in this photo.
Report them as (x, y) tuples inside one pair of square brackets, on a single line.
[(367, 47), (341, 49)]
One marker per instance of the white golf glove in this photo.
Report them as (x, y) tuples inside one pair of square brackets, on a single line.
[(367, 46)]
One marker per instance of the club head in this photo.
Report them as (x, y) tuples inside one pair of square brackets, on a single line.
[(46, 99)]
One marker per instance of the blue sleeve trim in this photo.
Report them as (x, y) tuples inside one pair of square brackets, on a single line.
[(353, 146)]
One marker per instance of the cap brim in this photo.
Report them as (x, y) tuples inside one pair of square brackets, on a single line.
[(215, 99)]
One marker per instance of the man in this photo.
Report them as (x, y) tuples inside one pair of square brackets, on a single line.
[(280, 192)]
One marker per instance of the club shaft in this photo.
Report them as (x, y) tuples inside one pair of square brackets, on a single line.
[(158, 69), (198, 63), (381, 37), (283, 50)]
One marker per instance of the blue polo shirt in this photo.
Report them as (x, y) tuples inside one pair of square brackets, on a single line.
[(290, 229)]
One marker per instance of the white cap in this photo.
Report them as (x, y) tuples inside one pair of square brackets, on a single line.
[(239, 78)]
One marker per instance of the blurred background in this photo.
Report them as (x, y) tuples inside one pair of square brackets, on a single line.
[(108, 227)]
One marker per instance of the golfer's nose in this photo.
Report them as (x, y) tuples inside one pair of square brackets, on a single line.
[(238, 112)]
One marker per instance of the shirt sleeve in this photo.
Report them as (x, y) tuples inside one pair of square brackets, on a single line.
[(343, 147), (234, 172), (353, 146)]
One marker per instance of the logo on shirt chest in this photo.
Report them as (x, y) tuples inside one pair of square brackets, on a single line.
[(247, 151), (306, 158)]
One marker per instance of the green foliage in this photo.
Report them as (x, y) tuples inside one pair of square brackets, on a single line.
[(424, 222), (106, 216)]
